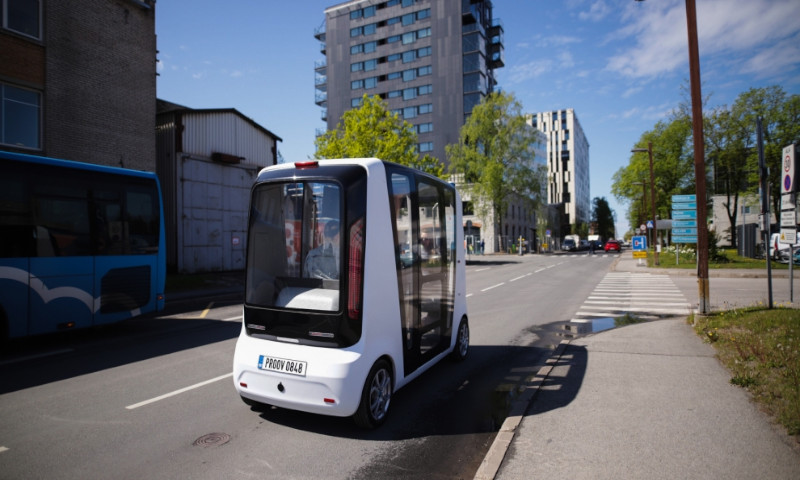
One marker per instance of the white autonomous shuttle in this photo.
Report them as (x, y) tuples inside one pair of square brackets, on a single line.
[(355, 286)]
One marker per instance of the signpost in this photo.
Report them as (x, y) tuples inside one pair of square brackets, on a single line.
[(788, 208), (684, 220), (639, 245)]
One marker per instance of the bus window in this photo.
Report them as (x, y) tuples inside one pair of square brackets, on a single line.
[(295, 247)]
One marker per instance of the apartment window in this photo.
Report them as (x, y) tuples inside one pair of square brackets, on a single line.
[(423, 109), (408, 19), (474, 82), (470, 101), (472, 62), (425, 90), (370, 29), (425, 147), (426, 70), (371, 82), (409, 56), (409, 112), (424, 52), (356, 49), (369, 11), (356, 84), (355, 14), (357, 67), (393, 39), (370, 47), (355, 102), (22, 16), (393, 20), (409, 75), (370, 65), (423, 14), (394, 75), (424, 128), (394, 94), (355, 32), (409, 37), (409, 93), (408, 3), (19, 117)]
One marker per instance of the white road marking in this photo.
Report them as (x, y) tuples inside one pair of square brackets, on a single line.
[(178, 392), (482, 269), (493, 286)]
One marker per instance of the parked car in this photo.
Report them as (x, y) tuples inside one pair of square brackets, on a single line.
[(569, 245), (613, 246), (584, 245)]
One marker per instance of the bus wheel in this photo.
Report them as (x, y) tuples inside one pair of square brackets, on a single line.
[(375, 397), (462, 341)]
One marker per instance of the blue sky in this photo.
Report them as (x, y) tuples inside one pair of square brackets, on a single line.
[(619, 63)]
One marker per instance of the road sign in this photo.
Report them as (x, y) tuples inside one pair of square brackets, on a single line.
[(684, 198), (649, 224), (787, 173), (639, 254), (684, 214), (684, 223), (684, 239), (788, 235), (684, 231), (684, 205), (788, 219), (639, 243)]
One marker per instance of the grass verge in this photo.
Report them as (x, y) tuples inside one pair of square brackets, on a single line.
[(761, 348)]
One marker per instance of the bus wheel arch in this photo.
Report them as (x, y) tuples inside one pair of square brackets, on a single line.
[(461, 348), (376, 395)]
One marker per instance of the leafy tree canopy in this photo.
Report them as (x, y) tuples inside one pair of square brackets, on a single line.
[(371, 130), (496, 156)]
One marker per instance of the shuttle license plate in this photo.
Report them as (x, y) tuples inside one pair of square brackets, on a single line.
[(282, 365)]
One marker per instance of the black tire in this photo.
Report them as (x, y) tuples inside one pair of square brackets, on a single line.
[(461, 348), (376, 396)]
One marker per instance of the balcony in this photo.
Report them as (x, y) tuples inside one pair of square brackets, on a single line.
[(319, 32), (496, 51), (321, 98)]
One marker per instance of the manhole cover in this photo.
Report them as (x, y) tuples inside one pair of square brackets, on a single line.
[(212, 440)]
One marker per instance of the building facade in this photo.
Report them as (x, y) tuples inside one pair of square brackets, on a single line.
[(567, 165), (78, 80), (208, 160), (431, 61)]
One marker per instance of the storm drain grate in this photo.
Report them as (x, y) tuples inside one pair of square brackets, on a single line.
[(212, 440)]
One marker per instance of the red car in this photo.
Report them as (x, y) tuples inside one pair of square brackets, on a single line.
[(613, 245)]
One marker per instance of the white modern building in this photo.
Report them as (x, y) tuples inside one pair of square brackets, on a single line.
[(567, 165)]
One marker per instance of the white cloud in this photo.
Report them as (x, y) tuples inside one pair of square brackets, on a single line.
[(746, 30), (597, 12), (237, 74), (526, 71)]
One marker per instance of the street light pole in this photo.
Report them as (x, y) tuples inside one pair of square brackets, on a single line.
[(704, 304), (654, 239)]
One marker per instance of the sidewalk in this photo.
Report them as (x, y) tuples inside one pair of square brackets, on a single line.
[(648, 400)]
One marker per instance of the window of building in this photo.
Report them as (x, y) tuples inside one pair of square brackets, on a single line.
[(370, 29), (24, 17), (408, 19), (424, 128), (424, 52), (407, 3), (409, 56), (370, 47), (423, 14), (470, 101), (474, 82), (355, 14), (356, 84), (369, 11), (355, 102), (394, 57), (425, 90), (393, 20), (472, 62), (394, 75), (409, 112), (409, 75), (426, 108), (409, 37), (357, 67), (426, 70), (370, 65), (356, 49), (20, 117), (409, 93), (356, 31), (425, 147), (371, 82), (395, 93), (393, 39)]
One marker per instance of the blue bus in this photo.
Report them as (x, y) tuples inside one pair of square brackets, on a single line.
[(80, 245)]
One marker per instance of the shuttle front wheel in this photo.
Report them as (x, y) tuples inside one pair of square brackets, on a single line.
[(462, 341)]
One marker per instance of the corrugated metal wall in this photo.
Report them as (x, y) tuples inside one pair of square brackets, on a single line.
[(225, 132), (205, 202)]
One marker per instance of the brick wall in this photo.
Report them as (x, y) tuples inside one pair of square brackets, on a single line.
[(100, 91)]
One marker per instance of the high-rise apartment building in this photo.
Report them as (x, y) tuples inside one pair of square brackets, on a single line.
[(567, 164), (431, 61)]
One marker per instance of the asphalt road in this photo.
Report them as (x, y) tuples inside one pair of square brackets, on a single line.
[(153, 398)]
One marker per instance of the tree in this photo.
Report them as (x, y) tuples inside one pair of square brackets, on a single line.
[(495, 154), (603, 216), (673, 168), (371, 130)]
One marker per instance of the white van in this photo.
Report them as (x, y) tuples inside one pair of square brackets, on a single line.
[(355, 285), (778, 250)]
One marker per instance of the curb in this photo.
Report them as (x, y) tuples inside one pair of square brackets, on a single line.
[(494, 457)]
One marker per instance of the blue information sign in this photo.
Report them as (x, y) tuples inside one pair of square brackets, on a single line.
[(684, 198), (684, 231), (684, 214), (684, 206), (684, 223), (639, 242), (684, 239)]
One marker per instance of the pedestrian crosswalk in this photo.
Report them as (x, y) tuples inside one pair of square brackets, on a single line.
[(642, 295)]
